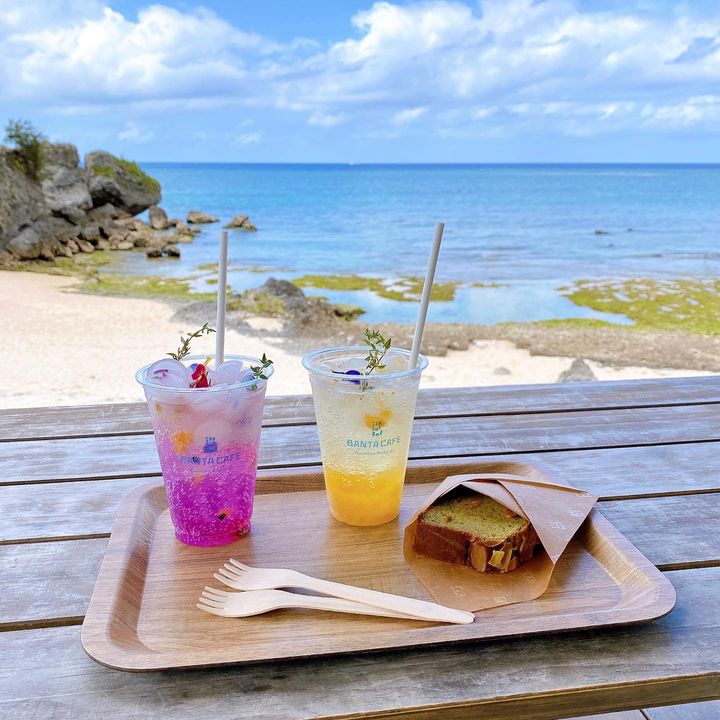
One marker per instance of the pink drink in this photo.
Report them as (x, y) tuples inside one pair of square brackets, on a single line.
[(208, 441)]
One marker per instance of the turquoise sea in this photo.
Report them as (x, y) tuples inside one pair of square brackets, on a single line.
[(528, 229)]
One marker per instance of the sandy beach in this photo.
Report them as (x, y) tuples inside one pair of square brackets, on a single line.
[(63, 347)]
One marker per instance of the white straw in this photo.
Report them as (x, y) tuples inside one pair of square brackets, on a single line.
[(222, 290), (425, 299)]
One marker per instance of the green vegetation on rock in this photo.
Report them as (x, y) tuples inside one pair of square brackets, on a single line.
[(348, 312), (80, 265), (257, 303), (571, 323), (492, 284), (143, 286), (213, 267), (132, 169), (27, 142), (404, 289), (689, 304)]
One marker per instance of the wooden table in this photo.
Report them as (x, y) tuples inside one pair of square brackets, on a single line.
[(650, 449)]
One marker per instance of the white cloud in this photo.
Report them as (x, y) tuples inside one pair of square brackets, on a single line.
[(251, 138), (325, 120), (445, 66), (513, 60), (481, 113), (410, 115), (133, 133), (106, 57)]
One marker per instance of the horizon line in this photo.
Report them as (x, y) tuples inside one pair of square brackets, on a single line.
[(431, 163)]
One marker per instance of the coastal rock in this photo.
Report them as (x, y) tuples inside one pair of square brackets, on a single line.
[(85, 246), (7, 260), (120, 182), (195, 217), (115, 233), (154, 251), (44, 239), (241, 222), (73, 246), (26, 244), (123, 245), (158, 218), (183, 233), (601, 232), (132, 223), (579, 371), (280, 298), (283, 289), (21, 202), (174, 222), (90, 233), (108, 213), (172, 251), (63, 182), (102, 244)]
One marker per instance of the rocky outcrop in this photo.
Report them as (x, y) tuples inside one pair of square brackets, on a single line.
[(195, 217), (241, 222), (579, 371), (160, 246), (68, 210), (280, 298), (120, 182), (21, 202), (63, 183), (158, 218)]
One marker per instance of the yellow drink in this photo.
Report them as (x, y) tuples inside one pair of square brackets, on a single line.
[(359, 499), (364, 426)]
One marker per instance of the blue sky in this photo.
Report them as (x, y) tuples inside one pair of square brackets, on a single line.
[(350, 81)]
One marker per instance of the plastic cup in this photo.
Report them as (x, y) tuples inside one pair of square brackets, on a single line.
[(364, 423), (208, 441)]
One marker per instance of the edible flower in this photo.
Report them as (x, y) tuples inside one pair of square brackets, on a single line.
[(349, 372), (199, 376)]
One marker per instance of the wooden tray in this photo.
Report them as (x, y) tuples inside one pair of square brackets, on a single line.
[(142, 614)]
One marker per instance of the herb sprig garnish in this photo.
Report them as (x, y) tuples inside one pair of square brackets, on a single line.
[(378, 346), (184, 348), (259, 370)]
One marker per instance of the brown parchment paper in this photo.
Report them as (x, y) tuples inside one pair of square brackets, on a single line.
[(555, 509)]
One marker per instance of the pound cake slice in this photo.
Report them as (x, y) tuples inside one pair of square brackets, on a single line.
[(466, 528)]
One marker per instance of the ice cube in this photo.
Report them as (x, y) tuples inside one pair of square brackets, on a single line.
[(169, 373), (394, 364), (246, 376), (228, 373)]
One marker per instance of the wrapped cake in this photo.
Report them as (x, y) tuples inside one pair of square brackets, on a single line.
[(466, 528)]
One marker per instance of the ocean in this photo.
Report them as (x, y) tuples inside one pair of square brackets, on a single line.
[(526, 230)]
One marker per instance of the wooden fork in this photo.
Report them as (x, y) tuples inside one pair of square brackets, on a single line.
[(243, 577), (256, 602)]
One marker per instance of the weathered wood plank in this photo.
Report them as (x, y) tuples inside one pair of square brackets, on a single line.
[(57, 510), (683, 532), (626, 715), (693, 711), (127, 418), (135, 455), (48, 583), (670, 660), (42, 581)]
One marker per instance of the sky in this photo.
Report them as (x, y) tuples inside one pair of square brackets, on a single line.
[(351, 81)]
